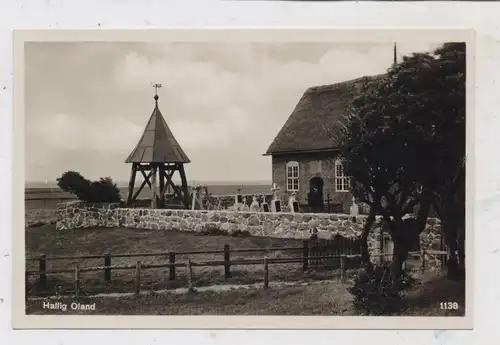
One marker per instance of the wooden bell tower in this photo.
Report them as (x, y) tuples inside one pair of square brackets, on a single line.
[(158, 157)]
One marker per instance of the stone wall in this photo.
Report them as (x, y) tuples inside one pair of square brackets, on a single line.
[(279, 225)]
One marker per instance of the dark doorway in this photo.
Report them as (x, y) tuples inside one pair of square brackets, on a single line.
[(315, 196)]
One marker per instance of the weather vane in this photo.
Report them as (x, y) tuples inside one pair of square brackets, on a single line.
[(156, 86)]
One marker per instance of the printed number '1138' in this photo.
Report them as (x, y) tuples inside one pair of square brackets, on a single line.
[(448, 305)]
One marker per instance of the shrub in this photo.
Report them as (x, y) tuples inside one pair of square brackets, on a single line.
[(378, 295), (103, 190), (73, 182), (212, 230)]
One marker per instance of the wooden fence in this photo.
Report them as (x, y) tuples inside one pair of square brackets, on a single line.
[(312, 252), (139, 267), (315, 253), (318, 253)]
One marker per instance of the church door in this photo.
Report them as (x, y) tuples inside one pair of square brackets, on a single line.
[(315, 197)]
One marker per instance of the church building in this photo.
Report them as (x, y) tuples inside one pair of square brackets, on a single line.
[(304, 154)]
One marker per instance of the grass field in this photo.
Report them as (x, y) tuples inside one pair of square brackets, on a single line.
[(330, 298), (46, 240)]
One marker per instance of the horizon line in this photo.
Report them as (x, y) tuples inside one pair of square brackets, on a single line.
[(189, 181)]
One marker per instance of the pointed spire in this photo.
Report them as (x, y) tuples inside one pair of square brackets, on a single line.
[(157, 143), (395, 55)]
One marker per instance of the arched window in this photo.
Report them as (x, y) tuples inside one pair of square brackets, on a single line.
[(341, 180), (292, 176)]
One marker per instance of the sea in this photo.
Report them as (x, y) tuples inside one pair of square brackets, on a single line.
[(217, 188), (41, 195)]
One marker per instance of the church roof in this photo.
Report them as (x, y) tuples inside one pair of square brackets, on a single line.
[(157, 144), (319, 111)]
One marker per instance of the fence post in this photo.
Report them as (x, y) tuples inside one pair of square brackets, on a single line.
[(42, 268), (138, 278), (77, 280), (227, 265), (171, 261), (343, 269), (190, 276), (305, 254), (266, 273), (107, 270)]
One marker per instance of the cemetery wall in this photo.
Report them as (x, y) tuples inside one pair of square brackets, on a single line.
[(74, 215)]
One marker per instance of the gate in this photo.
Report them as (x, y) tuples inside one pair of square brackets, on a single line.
[(336, 246)]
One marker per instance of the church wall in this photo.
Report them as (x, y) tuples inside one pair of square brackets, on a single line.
[(310, 165)]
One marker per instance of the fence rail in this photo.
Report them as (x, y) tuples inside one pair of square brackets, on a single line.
[(138, 267), (240, 262), (312, 252), (131, 255), (315, 253)]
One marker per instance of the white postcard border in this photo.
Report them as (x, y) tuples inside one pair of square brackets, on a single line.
[(23, 321)]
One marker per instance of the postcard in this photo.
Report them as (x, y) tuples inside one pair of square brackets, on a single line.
[(243, 178)]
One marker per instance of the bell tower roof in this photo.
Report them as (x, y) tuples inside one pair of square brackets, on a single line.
[(157, 143)]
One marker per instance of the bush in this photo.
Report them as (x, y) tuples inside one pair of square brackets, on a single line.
[(103, 190), (73, 182), (378, 295)]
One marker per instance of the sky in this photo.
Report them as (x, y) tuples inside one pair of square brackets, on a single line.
[(87, 103)]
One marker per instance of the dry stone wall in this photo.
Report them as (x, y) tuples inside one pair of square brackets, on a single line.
[(75, 215)]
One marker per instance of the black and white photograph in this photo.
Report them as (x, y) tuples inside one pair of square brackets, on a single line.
[(247, 177)]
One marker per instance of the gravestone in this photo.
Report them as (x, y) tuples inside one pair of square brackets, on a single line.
[(276, 202), (238, 200), (194, 199), (197, 200), (293, 203), (264, 206), (354, 209), (254, 206), (276, 206), (243, 206)]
